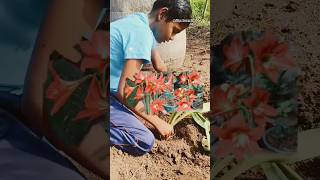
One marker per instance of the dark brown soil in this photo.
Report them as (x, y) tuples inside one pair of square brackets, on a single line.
[(178, 158)]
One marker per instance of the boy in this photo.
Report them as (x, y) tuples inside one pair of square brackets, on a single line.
[(132, 43)]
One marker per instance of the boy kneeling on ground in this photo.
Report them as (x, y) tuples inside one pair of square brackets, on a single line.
[(132, 44)]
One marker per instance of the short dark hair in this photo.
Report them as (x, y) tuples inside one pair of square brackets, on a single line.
[(177, 10)]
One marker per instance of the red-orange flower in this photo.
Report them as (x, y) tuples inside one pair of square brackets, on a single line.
[(194, 78), (258, 102), (139, 94), (191, 95), (156, 106), (150, 88), (271, 56), (160, 85), (192, 98), (180, 92), (139, 77), (169, 83), (128, 90), (235, 54), (95, 105), (237, 138), (184, 105), (190, 92), (151, 78), (60, 90), (225, 98), (96, 51), (183, 78)]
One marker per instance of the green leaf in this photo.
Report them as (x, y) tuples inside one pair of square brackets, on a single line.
[(171, 116), (201, 121), (205, 142), (179, 116), (285, 107), (206, 107), (130, 101), (174, 116), (289, 172), (204, 123), (272, 171), (147, 103), (61, 123), (131, 83)]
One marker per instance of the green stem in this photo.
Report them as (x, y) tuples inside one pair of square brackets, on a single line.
[(145, 104), (182, 116), (148, 103), (288, 171), (175, 117)]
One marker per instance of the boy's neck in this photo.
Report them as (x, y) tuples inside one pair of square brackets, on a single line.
[(151, 20)]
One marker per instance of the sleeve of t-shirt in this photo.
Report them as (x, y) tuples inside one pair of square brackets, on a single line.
[(154, 44), (138, 45)]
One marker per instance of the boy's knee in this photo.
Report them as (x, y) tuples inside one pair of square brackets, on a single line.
[(146, 142)]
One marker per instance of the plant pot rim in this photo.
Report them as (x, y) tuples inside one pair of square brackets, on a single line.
[(167, 105), (269, 146), (170, 108)]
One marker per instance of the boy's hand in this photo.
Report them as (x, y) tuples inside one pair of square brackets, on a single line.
[(157, 62), (163, 68), (165, 129)]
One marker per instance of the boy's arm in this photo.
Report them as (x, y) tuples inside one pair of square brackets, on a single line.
[(61, 31), (133, 66), (157, 62)]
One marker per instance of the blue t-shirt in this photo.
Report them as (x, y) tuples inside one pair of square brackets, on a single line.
[(130, 38)]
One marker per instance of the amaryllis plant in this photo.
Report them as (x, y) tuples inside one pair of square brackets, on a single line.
[(175, 94), (165, 93), (76, 94), (254, 95)]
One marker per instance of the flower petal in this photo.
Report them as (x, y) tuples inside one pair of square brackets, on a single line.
[(64, 96), (269, 110), (256, 133)]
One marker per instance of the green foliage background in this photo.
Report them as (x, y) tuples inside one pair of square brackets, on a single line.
[(197, 11)]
